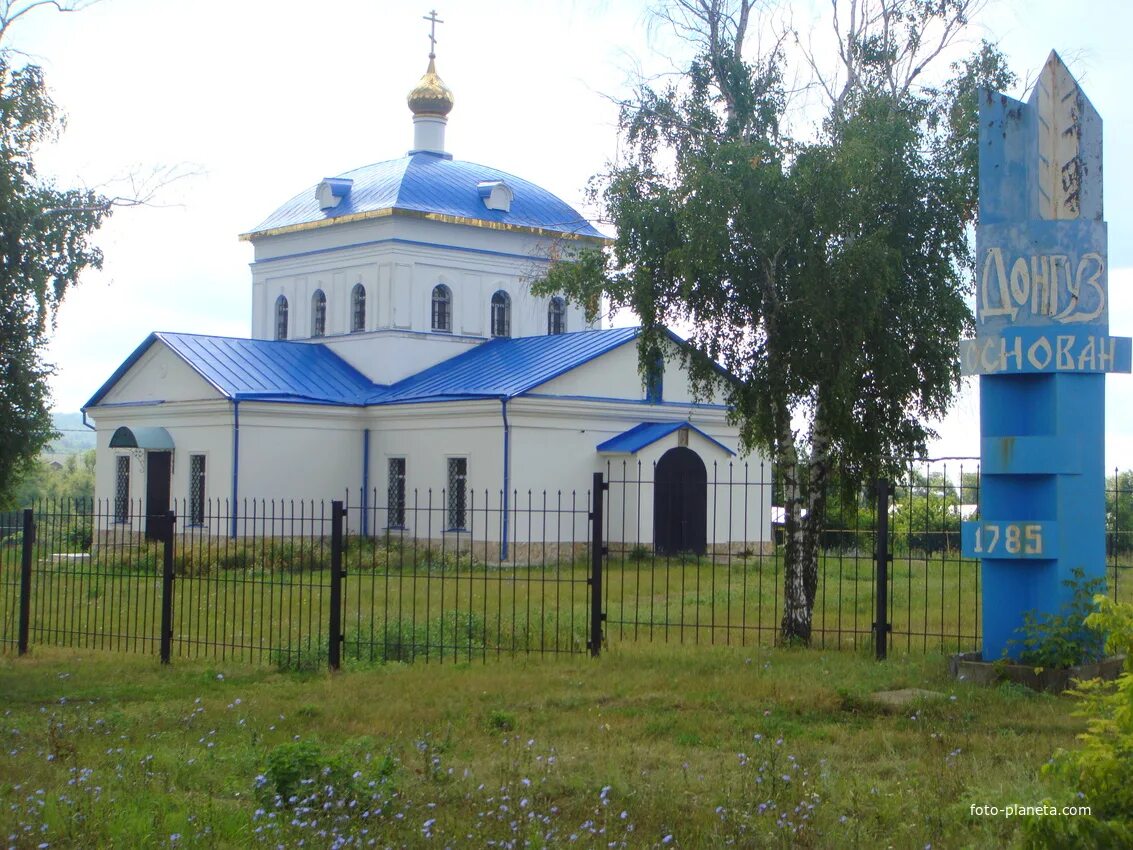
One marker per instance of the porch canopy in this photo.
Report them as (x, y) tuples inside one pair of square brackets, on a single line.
[(647, 433), (151, 438)]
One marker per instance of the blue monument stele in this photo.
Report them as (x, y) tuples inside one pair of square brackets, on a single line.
[(1042, 349)]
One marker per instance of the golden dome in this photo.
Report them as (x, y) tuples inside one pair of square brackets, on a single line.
[(431, 96)]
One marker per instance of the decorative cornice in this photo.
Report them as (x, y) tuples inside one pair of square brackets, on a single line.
[(426, 216)]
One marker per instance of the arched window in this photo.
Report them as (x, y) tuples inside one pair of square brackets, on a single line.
[(501, 314), (318, 313), (556, 316), (358, 309), (442, 308), (281, 318)]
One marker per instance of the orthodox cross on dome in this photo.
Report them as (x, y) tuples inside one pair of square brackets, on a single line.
[(433, 20), (430, 101)]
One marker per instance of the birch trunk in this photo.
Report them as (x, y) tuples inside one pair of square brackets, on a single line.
[(795, 627), (818, 481)]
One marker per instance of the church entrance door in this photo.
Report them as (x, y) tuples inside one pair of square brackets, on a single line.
[(159, 469), (680, 503)]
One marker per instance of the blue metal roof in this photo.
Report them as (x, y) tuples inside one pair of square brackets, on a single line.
[(265, 370), (434, 183), (269, 370), (647, 433), (504, 368)]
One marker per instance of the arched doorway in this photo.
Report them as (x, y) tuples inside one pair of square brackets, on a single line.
[(680, 503), (158, 448)]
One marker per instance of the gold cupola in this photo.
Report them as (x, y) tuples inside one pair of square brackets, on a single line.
[(431, 101), (431, 96)]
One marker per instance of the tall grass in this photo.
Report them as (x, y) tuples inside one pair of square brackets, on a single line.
[(649, 746)]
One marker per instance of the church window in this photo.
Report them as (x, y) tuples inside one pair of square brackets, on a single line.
[(655, 380), (196, 489), (556, 316), (358, 309), (501, 314), (396, 507), (457, 492), (122, 488), (318, 313), (442, 308), (281, 318)]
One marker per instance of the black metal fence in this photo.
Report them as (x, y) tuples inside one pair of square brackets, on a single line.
[(292, 583), (733, 594), (310, 584)]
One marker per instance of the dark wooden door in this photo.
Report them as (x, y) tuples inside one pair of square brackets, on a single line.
[(159, 469), (680, 503)]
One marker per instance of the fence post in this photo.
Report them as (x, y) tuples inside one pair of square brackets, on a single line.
[(597, 550), (167, 587), (881, 557), (334, 638), (25, 580)]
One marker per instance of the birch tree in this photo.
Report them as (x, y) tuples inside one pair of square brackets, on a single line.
[(826, 269)]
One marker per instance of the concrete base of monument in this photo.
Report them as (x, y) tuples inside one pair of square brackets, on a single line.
[(970, 667)]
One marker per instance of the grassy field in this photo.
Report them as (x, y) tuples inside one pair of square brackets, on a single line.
[(648, 746)]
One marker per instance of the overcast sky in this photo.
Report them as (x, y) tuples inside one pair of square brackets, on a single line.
[(260, 99)]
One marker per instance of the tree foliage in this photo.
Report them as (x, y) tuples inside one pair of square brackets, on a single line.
[(45, 244), (70, 480), (1098, 776), (826, 273)]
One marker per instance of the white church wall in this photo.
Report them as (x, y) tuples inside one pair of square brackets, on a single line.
[(472, 316), (742, 503), (399, 259), (388, 356), (553, 459), (305, 452), (426, 436), (412, 228), (159, 375), (299, 289), (401, 296), (198, 428), (298, 451), (615, 375), (552, 462), (310, 242)]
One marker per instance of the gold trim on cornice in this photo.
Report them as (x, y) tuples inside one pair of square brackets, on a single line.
[(427, 216)]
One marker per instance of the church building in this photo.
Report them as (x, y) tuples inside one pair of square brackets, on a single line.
[(398, 357)]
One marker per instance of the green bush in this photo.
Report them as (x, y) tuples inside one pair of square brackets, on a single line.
[(1100, 773), (501, 721), (131, 559), (299, 773), (1064, 640), (288, 765), (80, 534)]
